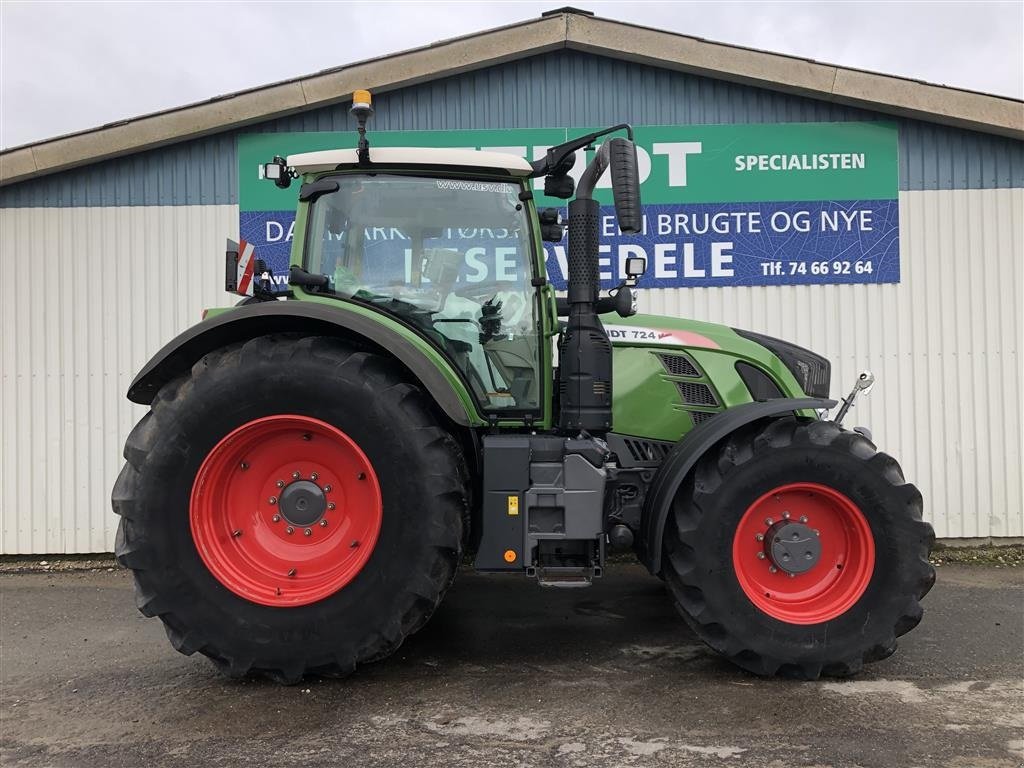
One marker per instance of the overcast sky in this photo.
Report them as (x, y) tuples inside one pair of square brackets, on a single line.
[(69, 66)]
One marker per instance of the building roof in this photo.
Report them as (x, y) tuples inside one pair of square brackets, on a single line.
[(564, 28), (326, 160)]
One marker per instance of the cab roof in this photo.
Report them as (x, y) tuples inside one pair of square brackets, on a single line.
[(406, 157)]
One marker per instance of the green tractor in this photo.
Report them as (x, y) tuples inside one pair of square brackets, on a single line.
[(315, 465)]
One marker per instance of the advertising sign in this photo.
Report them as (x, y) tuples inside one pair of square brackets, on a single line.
[(724, 205)]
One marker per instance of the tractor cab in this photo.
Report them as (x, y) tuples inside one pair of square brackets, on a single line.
[(440, 240), (447, 242)]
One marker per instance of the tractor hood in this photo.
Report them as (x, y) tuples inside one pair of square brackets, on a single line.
[(656, 330), (670, 373)]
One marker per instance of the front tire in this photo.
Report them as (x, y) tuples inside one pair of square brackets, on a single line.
[(826, 606), (291, 506)]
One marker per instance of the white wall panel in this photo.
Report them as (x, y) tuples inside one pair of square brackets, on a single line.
[(944, 344), (101, 289)]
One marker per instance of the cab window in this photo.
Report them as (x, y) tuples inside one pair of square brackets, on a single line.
[(450, 257)]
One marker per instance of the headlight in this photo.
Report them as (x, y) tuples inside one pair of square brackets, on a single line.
[(812, 372)]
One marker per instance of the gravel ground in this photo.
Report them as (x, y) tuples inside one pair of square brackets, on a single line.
[(506, 674)]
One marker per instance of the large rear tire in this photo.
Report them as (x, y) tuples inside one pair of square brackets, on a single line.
[(827, 605), (290, 506)]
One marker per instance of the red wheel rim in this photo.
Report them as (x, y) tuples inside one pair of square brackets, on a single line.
[(285, 510), (836, 580)]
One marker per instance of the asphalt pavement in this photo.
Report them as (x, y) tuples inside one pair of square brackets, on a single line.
[(508, 674)]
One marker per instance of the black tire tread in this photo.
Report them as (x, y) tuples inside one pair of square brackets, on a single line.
[(154, 585), (747, 445)]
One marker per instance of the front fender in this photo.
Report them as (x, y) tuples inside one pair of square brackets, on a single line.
[(683, 457), (381, 333)]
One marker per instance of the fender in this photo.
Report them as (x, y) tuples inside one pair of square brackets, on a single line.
[(252, 320), (684, 456)]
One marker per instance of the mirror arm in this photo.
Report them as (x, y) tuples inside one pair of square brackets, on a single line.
[(558, 155)]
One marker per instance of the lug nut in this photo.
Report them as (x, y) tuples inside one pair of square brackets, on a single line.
[(296, 475), (772, 569), (237, 532), (308, 532), (280, 483), (331, 505), (768, 521), (786, 515), (327, 489), (276, 518), (307, 437), (792, 575), (353, 545), (361, 476), (291, 571), (289, 530), (243, 466), (759, 536), (323, 523), (803, 518), (817, 532), (272, 500), (760, 555), (314, 476)]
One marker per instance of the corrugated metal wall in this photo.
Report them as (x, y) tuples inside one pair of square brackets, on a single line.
[(99, 255), (944, 344), (100, 290)]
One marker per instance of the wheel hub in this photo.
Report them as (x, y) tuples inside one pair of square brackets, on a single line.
[(792, 547), (803, 553), (303, 503), (285, 510)]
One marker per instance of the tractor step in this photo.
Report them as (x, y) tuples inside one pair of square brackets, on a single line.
[(564, 576)]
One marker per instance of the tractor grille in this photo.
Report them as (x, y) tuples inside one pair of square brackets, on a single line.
[(646, 451), (696, 394), (699, 417), (679, 365)]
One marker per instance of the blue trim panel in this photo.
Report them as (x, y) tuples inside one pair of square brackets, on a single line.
[(554, 89)]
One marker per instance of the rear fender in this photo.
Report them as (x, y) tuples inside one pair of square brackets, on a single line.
[(683, 457), (246, 322)]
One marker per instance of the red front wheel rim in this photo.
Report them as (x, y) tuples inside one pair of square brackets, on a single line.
[(285, 510), (843, 550)]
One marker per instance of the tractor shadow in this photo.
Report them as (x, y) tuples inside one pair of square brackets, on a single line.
[(489, 622)]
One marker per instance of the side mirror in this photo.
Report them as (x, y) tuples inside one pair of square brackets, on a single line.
[(622, 163)]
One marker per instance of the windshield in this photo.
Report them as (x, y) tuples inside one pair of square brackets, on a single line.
[(451, 257)]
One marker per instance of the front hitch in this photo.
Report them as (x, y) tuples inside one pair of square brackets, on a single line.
[(863, 385)]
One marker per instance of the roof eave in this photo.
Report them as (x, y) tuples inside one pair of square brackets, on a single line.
[(442, 59), (788, 74), (803, 77)]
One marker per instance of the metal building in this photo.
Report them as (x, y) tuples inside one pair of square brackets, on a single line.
[(114, 239)]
